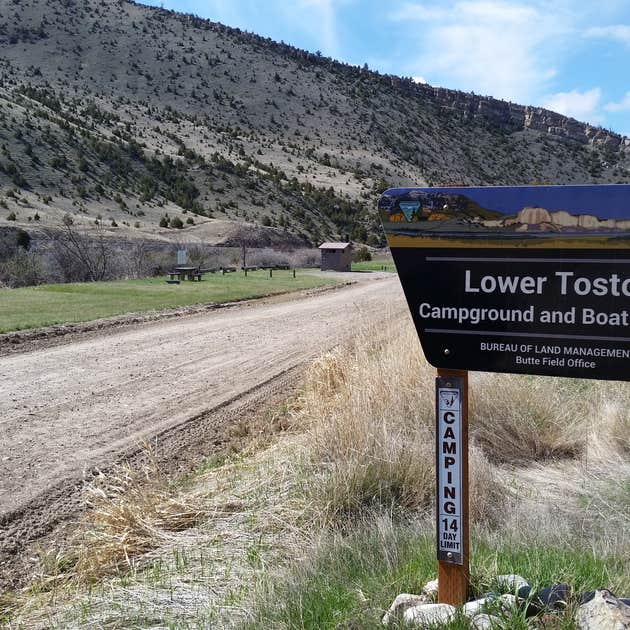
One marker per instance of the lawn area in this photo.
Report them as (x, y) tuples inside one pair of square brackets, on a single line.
[(33, 307), (374, 265)]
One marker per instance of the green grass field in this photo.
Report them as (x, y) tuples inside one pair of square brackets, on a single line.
[(45, 305), (374, 265)]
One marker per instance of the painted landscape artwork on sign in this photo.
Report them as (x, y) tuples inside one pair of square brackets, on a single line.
[(532, 280), (529, 216)]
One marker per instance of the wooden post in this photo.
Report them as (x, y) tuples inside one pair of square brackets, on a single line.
[(270, 272), (294, 273), (454, 579)]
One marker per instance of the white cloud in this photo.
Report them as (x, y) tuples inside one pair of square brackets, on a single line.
[(419, 80), (617, 32), (491, 47), (576, 104), (621, 106)]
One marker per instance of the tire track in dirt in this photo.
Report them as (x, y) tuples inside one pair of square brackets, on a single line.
[(69, 409)]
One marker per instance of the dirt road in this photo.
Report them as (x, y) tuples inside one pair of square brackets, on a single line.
[(67, 409)]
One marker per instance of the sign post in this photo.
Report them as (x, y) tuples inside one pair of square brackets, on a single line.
[(452, 521), (522, 280)]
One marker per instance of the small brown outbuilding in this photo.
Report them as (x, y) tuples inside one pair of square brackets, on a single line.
[(336, 256)]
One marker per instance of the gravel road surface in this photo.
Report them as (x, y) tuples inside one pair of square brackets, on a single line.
[(67, 409)]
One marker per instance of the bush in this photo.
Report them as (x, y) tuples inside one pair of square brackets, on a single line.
[(362, 254), (164, 222), (23, 239), (11, 216), (176, 223), (22, 270)]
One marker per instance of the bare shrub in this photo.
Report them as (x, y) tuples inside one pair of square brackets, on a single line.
[(246, 238), (137, 260), (268, 257), (81, 256), (8, 244), (306, 257), (198, 255), (22, 269)]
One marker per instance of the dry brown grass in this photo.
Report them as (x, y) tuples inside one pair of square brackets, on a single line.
[(369, 412), (519, 419), (368, 420), (361, 444), (610, 421), (130, 511), (366, 432)]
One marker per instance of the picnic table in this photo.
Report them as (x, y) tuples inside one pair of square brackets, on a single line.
[(185, 272)]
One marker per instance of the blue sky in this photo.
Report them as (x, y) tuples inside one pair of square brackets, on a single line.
[(568, 55)]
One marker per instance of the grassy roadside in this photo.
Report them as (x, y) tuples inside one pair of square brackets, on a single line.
[(45, 305), (322, 522), (374, 265), (350, 581)]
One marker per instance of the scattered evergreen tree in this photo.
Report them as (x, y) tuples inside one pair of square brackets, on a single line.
[(23, 239)]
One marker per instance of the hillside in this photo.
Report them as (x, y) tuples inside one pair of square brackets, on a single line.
[(129, 116)]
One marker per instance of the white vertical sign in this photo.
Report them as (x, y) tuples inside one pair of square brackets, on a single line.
[(449, 470), (182, 256)]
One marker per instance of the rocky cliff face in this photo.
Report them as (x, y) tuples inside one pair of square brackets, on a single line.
[(514, 117)]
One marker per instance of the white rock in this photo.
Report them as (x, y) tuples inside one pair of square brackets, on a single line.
[(483, 621), (475, 607), (400, 604), (508, 602), (430, 589), (603, 612), (429, 614), (511, 582)]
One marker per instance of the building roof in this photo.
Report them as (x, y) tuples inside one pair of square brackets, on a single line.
[(334, 245)]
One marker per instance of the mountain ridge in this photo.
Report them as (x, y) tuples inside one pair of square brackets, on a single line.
[(498, 111), (129, 115)]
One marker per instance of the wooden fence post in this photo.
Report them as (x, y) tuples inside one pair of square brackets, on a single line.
[(453, 577)]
